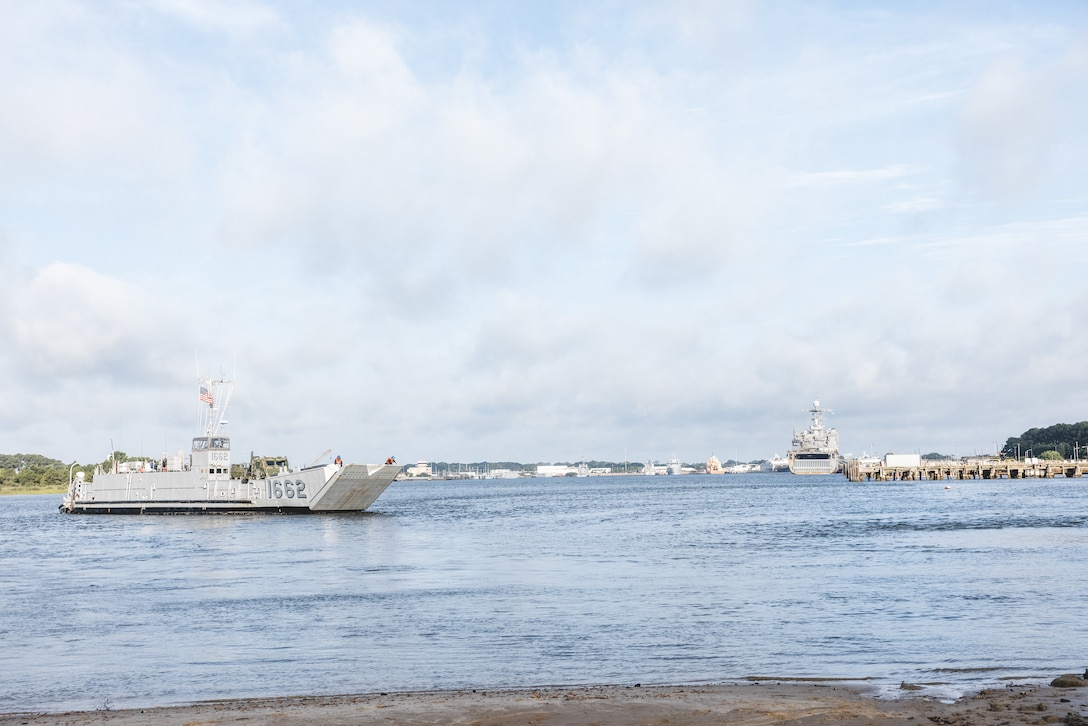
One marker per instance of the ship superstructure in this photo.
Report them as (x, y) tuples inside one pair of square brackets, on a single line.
[(205, 484), (816, 449)]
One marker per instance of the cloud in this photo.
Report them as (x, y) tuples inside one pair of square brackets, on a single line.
[(916, 205), (1005, 131), (848, 176), (234, 17), (656, 228), (77, 105), (362, 158), (68, 320)]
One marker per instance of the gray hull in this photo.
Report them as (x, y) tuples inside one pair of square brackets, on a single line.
[(351, 488), (815, 464), (816, 449)]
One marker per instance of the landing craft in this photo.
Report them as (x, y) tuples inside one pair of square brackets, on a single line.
[(205, 483)]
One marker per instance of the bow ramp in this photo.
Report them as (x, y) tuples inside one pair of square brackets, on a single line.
[(354, 487)]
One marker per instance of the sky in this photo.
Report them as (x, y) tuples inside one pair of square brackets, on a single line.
[(541, 231)]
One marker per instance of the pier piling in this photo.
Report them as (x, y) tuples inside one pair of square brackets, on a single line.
[(857, 471)]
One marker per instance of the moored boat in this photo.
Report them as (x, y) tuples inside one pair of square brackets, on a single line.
[(776, 463), (816, 449), (205, 484)]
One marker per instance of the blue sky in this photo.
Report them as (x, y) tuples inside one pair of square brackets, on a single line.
[(541, 232)]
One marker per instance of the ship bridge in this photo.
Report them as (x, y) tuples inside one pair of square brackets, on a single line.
[(211, 456), (204, 443)]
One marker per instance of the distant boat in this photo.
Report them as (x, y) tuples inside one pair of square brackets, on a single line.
[(816, 449), (776, 463), (673, 467)]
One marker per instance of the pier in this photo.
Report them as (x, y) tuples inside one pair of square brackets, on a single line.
[(857, 470)]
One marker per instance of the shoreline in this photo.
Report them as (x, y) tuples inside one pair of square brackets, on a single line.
[(766, 701)]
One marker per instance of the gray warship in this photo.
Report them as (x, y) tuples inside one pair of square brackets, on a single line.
[(816, 449), (203, 483)]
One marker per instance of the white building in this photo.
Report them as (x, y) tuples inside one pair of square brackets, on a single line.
[(556, 470)]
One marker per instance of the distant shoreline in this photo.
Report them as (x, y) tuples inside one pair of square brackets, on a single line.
[(768, 701), (4, 491)]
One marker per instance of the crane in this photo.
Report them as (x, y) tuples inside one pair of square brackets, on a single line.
[(314, 462)]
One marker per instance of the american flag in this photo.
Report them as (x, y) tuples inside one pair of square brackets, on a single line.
[(206, 396)]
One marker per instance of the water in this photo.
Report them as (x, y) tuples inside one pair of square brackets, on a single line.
[(652, 580)]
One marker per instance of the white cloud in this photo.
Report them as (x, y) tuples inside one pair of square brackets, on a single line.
[(916, 205), (235, 17), (478, 174), (1005, 134), (79, 109), (588, 236), (848, 176), (69, 320)]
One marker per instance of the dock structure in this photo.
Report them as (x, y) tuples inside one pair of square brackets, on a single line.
[(857, 470)]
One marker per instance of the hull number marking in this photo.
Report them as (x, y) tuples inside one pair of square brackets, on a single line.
[(277, 489)]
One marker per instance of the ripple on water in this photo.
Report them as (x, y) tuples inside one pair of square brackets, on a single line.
[(526, 582)]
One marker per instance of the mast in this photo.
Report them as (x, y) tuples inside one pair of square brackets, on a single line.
[(816, 412), (213, 399)]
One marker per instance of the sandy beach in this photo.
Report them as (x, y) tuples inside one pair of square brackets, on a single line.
[(762, 702)]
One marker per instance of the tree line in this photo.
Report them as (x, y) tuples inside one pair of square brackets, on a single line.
[(1060, 441), (34, 471)]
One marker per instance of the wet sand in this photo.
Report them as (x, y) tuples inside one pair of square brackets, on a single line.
[(763, 702)]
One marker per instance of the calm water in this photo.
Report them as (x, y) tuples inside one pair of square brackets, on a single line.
[(652, 580)]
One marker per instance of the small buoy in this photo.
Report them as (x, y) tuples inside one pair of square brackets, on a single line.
[(947, 486)]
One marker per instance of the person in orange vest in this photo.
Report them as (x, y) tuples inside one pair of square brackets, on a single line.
[(391, 460), (339, 461)]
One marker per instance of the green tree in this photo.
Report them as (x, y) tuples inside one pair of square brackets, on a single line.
[(33, 471), (21, 461), (1064, 439)]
